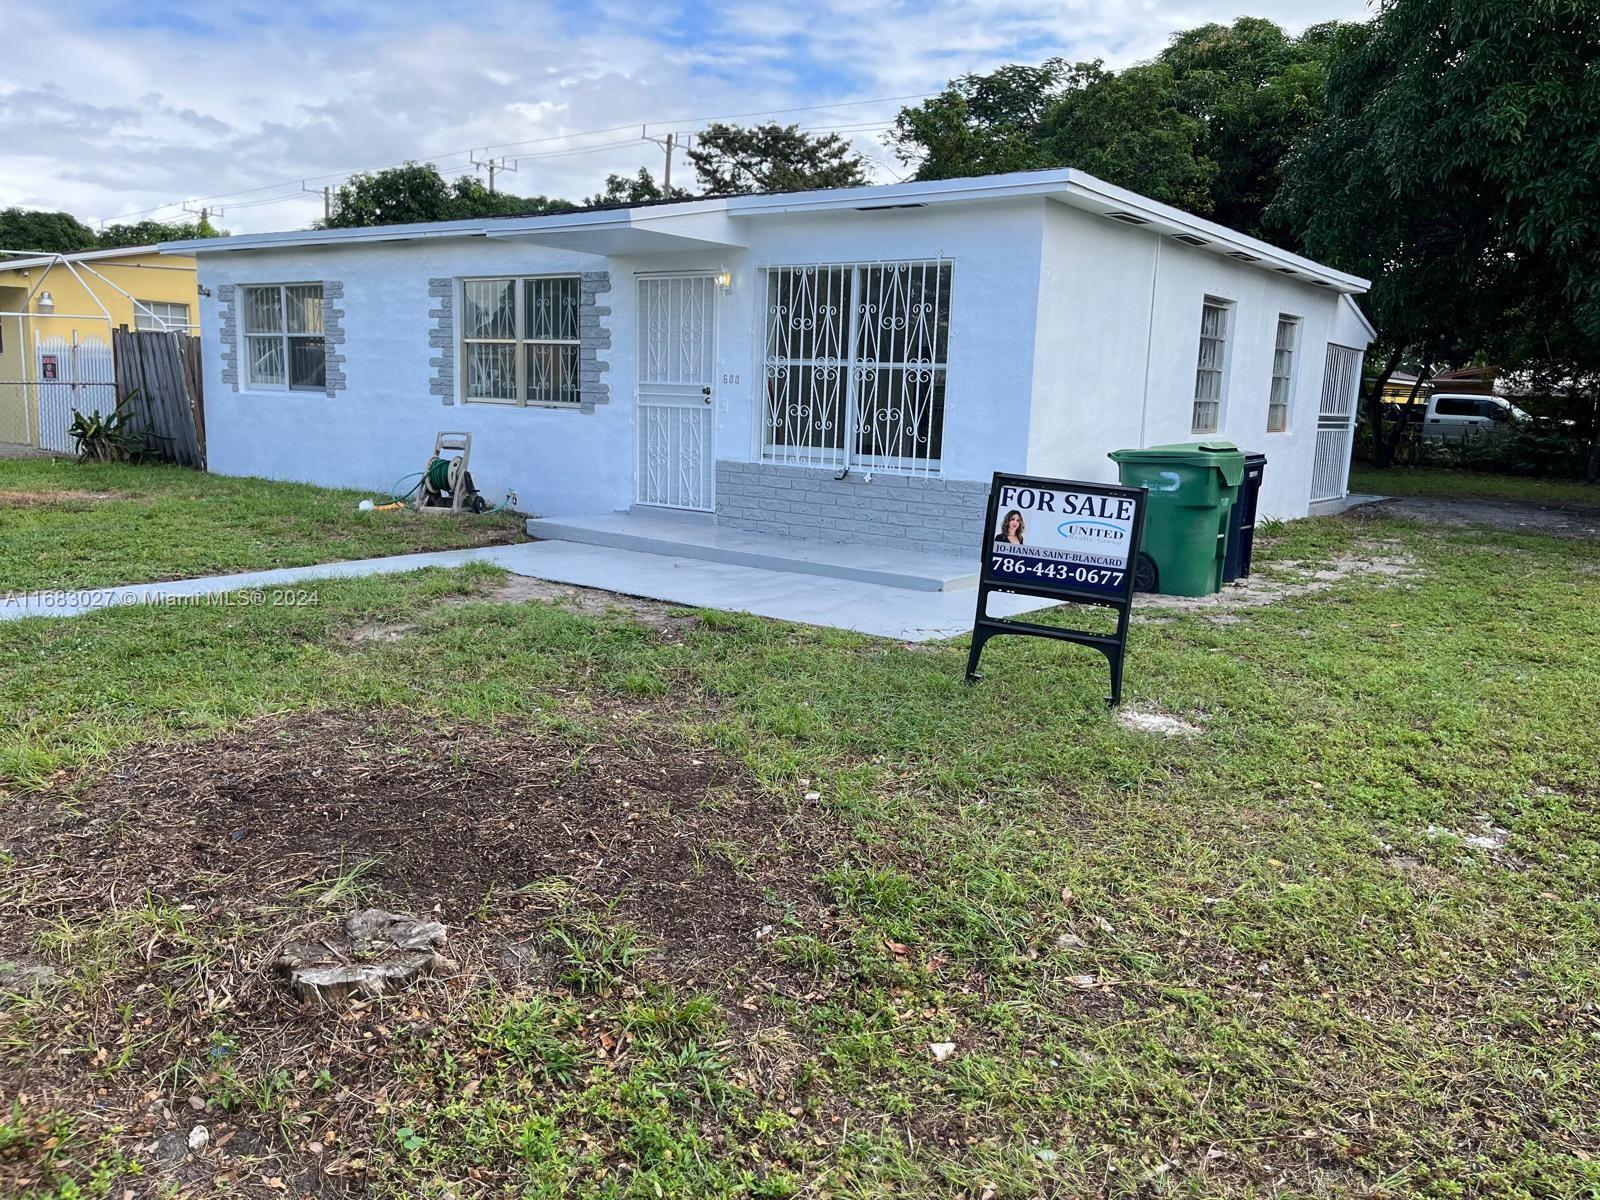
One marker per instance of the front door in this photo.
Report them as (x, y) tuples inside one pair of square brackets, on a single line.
[(676, 371)]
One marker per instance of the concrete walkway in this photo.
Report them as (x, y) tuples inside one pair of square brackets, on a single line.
[(891, 612)]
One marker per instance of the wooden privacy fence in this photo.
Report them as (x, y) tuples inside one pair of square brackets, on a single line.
[(158, 378)]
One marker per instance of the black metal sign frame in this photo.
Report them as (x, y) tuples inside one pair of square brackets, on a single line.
[(1119, 596)]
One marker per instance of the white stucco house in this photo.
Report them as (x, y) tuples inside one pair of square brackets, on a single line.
[(845, 365)]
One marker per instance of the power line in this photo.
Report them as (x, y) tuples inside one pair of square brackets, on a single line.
[(305, 179)]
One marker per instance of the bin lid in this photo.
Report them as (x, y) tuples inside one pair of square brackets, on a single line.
[(1227, 458)]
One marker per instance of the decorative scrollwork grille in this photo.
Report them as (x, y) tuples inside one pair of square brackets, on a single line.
[(855, 365)]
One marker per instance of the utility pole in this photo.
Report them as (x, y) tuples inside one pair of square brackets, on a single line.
[(203, 212), (326, 192), (669, 144), (495, 165)]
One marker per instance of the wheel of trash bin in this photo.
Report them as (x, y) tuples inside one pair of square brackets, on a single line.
[(1145, 576)]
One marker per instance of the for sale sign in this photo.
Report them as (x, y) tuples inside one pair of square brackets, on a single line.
[(1060, 539), (1063, 535)]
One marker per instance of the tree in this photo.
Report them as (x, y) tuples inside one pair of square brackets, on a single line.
[(1203, 126), (734, 159), (417, 192), (148, 233), (982, 124), (634, 189), (1456, 165), (1129, 127), (52, 232)]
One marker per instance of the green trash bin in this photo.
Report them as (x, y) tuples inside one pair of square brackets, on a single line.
[(1192, 489)]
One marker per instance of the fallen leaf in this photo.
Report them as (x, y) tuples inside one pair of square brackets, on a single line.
[(941, 1050)]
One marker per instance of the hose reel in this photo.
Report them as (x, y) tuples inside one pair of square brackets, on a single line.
[(446, 482)]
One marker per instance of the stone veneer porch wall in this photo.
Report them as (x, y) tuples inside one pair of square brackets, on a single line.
[(931, 515)]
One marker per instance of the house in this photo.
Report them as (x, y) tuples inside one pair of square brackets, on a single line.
[(57, 312), (846, 365)]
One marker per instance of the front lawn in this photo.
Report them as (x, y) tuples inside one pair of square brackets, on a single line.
[(66, 524), (1480, 485), (745, 909)]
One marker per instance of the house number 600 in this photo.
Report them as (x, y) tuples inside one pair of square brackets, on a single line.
[(726, 378)]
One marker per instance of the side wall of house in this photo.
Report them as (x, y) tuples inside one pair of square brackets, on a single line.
[(1119, 340), (394, 389), (993, 251)]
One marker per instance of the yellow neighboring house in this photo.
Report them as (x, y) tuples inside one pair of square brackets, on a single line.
[(57, 312)]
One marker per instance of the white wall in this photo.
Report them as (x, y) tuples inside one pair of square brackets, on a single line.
[(383, 425), (993, 249), (1119, 341), (1053, 321)]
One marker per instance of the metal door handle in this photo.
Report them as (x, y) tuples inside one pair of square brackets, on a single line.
[(706, 392)]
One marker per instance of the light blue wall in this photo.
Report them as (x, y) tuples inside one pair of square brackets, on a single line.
[(563, 462), (382, 426)]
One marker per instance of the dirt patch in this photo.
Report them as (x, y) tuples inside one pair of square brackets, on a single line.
[(670, 619), (184, 871), (455, 820), (1508, 516), (49, 497), (1283, 581)]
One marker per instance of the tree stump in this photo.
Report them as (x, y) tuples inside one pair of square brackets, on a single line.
[(371, 953)]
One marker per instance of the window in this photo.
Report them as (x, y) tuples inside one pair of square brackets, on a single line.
[(519, 340), (284, 347), (855, 364), (1210, 377), (1282, 375), (1454, 406), (160, 315)]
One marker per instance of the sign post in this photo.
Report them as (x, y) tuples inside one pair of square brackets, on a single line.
[(1060, 539)]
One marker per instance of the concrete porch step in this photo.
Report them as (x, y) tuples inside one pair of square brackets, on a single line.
[(694, 535)]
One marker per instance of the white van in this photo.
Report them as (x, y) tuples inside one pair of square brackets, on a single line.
[(1453, 417)]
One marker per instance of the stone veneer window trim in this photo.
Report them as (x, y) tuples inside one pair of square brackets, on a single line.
[(594, 336), (333, 376)]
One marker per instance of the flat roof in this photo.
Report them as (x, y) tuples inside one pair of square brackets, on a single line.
[(39, 258), (718, 221)]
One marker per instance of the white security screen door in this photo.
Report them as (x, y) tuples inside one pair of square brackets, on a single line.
[(676, 372), (1336, 420)]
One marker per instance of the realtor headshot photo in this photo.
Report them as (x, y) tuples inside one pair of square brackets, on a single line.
[(1011, 529)]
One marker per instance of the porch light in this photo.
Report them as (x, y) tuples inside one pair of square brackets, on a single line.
[(46, 303), (724, 279)]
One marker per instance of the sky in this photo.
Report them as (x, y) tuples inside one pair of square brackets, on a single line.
[(127, 111)]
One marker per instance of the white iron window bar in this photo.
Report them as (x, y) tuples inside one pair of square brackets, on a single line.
[(1210, 372), (284, 346), (520, 340), (1282, 375), (856, 359)]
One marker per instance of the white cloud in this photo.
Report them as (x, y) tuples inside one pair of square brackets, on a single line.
[(256, 96)]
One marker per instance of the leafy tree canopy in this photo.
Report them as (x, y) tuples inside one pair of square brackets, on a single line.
[(53, 232), (1204, 126), (62, 233), (417, 192), (773, 158), (635, 189), (148, 233), (1458, 166)]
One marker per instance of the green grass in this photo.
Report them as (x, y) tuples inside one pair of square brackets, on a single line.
[(1259, 961), (137, 524), (1480, 485)]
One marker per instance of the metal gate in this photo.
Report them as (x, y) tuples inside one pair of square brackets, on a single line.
[(73, 375), (1336, 419), (43, 384), (676, 375)]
